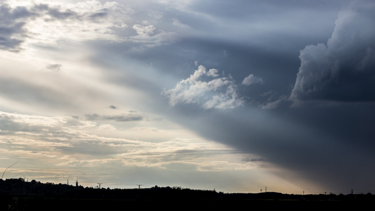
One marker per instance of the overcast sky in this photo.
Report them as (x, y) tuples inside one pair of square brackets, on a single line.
[(231, 95)]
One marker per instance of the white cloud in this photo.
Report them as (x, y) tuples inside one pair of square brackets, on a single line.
[(215, 93), (144, 31), (213, 73), (251, 79)]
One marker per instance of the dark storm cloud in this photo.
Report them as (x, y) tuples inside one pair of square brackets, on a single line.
[(118, 118), (344, 69), (270, 56), (330, 145)]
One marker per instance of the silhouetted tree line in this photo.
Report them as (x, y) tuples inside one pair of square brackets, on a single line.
[(17, 194)]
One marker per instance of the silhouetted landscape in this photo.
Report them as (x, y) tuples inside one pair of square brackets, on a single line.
[(18, 194)]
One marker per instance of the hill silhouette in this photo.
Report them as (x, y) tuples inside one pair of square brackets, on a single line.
[(18, 194)]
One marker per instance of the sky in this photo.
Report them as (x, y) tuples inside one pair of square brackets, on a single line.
[(234, 96)]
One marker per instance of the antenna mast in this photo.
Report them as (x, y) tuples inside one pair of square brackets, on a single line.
[(99, 185)]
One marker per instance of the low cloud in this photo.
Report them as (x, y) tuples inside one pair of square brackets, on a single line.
[(343, 69), (213, 93)]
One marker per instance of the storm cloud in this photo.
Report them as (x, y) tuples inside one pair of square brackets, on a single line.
[(344, 68)]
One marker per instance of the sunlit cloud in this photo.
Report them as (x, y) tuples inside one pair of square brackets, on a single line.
[(214, 93)]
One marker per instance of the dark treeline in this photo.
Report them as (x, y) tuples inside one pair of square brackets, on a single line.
[(17, 194)]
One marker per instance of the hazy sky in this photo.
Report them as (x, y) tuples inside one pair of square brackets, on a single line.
[(231, 95)]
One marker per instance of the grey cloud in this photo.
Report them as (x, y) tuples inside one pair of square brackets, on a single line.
[(61, 15), (54, 67), (99, 15), (12, 22), (124, 118), (112, 107), (118, 118), (92, 116), (342, 70), (53, 12), (57, 13), (254, 160)]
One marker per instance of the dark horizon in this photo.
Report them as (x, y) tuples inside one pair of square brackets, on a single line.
[(21, 188)]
